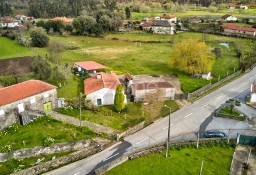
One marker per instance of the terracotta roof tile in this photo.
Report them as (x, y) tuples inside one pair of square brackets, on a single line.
[(23, 90), (64, 19), (168, 16), (232, 26), (90, 65), (99, 81), (128, 76), (152, 85)]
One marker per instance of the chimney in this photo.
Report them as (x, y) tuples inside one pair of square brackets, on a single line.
[(98, 76)]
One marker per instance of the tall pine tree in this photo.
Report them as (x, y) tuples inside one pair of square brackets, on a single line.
[(119, 99)]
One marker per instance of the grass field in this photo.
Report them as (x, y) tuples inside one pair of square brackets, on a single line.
[(136, 112), (35, 133), (10, 49), (217, 160), (236, 12)]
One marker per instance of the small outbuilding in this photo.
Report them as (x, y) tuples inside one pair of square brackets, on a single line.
[(25, 101), (90, 67)]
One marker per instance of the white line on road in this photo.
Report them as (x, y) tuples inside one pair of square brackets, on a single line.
[(188, 115), (167, 126), (219, 97), (77, 173), (204, 105), (111, 157), (143, 140)]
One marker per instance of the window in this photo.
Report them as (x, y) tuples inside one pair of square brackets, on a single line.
[(99, 102), (20, 107), (1, 112), (32, 100)]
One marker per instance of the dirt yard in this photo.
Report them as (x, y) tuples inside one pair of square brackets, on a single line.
[(16, 65)]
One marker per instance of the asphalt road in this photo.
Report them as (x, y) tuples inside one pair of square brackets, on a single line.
[(189, 119)]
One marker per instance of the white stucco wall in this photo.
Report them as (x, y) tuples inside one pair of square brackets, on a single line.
[(231, 18), (10, 25), (162, 30), (107, 96)]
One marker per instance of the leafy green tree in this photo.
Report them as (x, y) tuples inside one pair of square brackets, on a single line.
[(127, 12), (5, 9), (218, 52), (192, 56), (39, 37), (119, 99), (40, 23), (97, 30), (42, 68)]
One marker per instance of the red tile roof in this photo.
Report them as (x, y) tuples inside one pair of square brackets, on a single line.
[(90, 65), (104, 80), (128, 76), (23, 90), (146, 24), (168, 16), (232, 26), (152, 85)]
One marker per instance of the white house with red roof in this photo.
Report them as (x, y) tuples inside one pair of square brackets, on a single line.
[(25, 101), (241, 30), (9, 23), (169, 17), (101, 88), (90, 67)]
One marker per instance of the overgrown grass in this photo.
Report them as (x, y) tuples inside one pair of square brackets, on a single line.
[(107, 116), (34, 133), (14, 165), (183, 160), (10, 49)]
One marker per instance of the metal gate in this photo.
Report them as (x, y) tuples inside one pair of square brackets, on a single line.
[(247, 140)]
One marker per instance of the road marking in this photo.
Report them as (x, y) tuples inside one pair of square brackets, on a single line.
[(219, 97), (204, 105), (187, 115), (167, 126), (111, 157), (77, 173), (143, 140)]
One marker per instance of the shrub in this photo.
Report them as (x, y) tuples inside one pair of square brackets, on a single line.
[(48, 141), (6, 149)]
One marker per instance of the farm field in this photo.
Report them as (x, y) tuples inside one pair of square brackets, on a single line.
[(10, 49), (236, 12), (182, 161)]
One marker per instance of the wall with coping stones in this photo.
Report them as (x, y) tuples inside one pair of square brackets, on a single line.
[(131, 130), (41, 150)]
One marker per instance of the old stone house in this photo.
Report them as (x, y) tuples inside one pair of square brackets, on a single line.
[(238, 30), (161, 90), (25, 101)]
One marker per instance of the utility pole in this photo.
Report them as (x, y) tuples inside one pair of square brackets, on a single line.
[(80, 116), (168, 137)]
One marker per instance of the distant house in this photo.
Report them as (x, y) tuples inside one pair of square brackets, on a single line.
[(162, 27), (21, 18), (146, 26), (9, 23), (90, 67), (63, 19), (169, 17), (228, 18), (243, 7), (239, 30), (194, 19), (101, 88), (25, 101), (142, 90)]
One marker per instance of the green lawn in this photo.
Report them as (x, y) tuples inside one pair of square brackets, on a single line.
[(10, 49), (36, 132), (107, 116), (217, 160)]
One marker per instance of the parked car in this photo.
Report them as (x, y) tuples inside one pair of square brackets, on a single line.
[(214, 134)]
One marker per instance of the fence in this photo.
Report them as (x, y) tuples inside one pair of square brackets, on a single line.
[(209, 86)]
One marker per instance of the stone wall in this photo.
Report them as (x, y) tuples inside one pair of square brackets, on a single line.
[(41, 150), (131, 130), (10, 115), (59, 162)]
